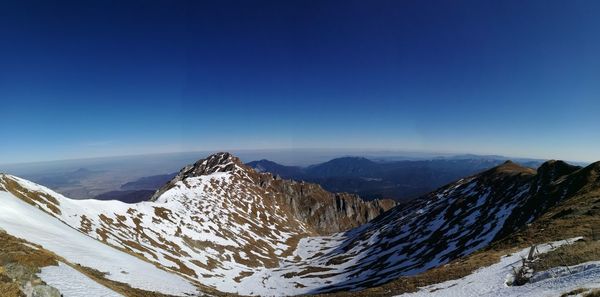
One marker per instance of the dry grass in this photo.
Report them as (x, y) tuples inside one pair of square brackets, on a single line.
[(242, 275), (86, 225), (568, 255), (574, 292), (306, 271), (14, 250), (576, 216), (163, 213), (593, 293), (182, 268), (30, 197), (9, 288)]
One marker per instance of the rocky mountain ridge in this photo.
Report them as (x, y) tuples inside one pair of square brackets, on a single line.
[(229, 228), (324, 212), (218, 220)]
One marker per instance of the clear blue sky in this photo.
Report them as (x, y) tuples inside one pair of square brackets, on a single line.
[(101, 78)]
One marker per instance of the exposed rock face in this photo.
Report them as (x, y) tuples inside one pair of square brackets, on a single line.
[(324, 212), (20, 263), (327, 212), (44, 291)]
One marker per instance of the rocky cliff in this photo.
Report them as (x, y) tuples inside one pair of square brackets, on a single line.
[(324, 212)]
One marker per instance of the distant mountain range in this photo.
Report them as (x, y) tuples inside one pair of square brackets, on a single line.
[(148, 182), (65, 179), (398, 180), (220, 227), (132, 178), (137, 190)]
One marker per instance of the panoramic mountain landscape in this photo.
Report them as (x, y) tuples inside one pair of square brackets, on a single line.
[(220, 226), (330, 148), (134, 179), (382, 179)]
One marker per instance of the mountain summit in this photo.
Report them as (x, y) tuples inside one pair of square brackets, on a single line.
[(217, 220), (219, 162), (323, 212), (223, 226)]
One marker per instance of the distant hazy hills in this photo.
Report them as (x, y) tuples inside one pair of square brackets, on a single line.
[(149, 182), (66, 179), (137, 190), (399, 180)]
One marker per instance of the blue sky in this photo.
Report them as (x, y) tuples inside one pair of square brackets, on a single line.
[(101, 78)]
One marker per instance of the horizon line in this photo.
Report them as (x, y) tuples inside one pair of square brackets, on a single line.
[(342, 151)]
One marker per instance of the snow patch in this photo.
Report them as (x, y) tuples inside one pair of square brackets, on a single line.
[(72, 283), (26, 221), (490, 281)]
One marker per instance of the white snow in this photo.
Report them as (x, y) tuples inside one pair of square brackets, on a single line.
[(25, 221), (491, 281), (214, 225), (72, 283)]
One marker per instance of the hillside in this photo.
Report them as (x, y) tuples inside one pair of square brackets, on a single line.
[(218, 220), (563, 202), (223, 227), (20, 217)]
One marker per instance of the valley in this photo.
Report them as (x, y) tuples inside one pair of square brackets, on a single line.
[(221, 226)]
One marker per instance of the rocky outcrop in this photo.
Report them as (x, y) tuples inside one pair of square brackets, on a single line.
[(220, 162), (20, 263), (328, 212), (41, 291), (324, 212)]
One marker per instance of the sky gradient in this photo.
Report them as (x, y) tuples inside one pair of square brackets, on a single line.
[(100, 78)]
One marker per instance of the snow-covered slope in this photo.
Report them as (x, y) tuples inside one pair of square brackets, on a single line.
[(228, 227), (450, 223), (190, 236), (26, 221), (491, 281), (219, 228)]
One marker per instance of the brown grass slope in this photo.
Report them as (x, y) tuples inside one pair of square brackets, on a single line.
[(29, 257)]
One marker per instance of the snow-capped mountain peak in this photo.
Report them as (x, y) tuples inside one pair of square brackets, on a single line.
[(219, 162)]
